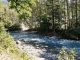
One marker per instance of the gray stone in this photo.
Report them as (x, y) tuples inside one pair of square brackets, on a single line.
[(23, 40)]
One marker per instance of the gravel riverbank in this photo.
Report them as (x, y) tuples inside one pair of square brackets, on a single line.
[(35, 52)]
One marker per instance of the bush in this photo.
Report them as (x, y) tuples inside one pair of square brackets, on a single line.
[(66, 55), (7, 45), (75, 31), (1, 27), (45, 25), (15, 27), (5, 39)]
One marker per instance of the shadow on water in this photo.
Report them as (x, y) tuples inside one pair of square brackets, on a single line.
[(51, 48)]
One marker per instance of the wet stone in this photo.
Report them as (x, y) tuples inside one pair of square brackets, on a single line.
[(18, 42)]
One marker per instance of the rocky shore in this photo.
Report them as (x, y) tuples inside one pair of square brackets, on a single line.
[(5, 56), (35, 52)]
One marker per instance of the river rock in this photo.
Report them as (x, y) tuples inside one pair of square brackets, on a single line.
[(18, 42), (23, 40)]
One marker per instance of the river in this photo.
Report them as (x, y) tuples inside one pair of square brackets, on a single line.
[(51, 44)]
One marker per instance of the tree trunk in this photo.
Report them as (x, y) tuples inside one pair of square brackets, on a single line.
[(53, 27), (76, 14)]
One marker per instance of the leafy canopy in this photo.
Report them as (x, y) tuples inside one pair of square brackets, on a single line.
[(23, 7)]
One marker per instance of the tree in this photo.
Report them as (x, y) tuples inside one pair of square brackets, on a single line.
[(22, 7), (7, 16), (62, 14)]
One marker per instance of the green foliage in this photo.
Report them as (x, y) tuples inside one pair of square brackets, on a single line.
[(62, 12), (7, 44), (15, 27), (1, 27), (75, 32), (45, 25), (6, 40), (66, 55), (23, 7), (8, 16)]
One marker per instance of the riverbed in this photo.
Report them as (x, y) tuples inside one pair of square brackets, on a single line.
[(43, 47)]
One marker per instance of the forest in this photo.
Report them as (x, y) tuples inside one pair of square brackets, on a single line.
[(60, 18)]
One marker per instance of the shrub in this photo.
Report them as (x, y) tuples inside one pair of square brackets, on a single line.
[(15, 27), (7, 45), (75, 31), (45, 25), (66, 55)]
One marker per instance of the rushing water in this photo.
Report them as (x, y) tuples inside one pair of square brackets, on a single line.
[(49, 43)]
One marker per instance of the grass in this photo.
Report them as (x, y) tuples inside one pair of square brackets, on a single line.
[(66, 55)]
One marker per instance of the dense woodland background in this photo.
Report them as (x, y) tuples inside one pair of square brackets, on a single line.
[(48, 16)]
